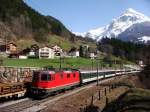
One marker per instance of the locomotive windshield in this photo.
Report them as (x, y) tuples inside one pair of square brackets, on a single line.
[(45, 77), (37, 76)]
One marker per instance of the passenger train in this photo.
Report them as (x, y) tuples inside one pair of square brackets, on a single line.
[(47, 82)]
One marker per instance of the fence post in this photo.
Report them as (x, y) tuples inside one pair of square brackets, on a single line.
[(92, 100), (112, 87), (105, 92), (81, 109), (106, 101), (109, 89), (99, 94)]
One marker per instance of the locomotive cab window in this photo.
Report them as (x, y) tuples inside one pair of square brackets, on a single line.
[(52, 77), (45, 77), (74, 74), (61, 76), (68, 75)]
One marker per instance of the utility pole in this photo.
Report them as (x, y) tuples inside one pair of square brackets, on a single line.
[(92, 63), (60, 62), (6, 40), (6, 44), (61, 59), (148, 60), (115, 67), (97, 70)]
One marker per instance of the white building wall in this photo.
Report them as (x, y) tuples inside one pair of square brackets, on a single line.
[(46, 52), (92, 55), (31, 53), (74, 54)]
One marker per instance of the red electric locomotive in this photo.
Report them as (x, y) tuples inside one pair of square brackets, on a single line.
[(50, 81)]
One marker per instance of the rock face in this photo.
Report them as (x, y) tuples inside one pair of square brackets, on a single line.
[(129, 26)]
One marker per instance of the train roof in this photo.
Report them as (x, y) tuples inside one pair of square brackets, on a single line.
[(52, 71), (95, 71)]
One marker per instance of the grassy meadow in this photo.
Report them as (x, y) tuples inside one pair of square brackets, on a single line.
[(66, 62)]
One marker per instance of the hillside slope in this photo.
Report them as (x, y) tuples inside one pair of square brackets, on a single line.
[(19, 21)]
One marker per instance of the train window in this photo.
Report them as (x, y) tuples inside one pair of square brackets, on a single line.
[(74, 74), (52, 77), (49, 77), (68, 75), (45, 77), (61, 76)]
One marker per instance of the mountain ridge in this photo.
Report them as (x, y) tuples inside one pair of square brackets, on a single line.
[(117, 26), (20, 21)]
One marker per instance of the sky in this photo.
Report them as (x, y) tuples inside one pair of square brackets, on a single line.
[(84, 15)]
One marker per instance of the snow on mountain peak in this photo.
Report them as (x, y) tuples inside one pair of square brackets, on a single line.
[(128, 18), (79, 34), (131, 10), (118, 25), (133, 15)]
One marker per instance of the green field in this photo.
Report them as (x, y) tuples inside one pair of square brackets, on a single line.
[(67, 62)]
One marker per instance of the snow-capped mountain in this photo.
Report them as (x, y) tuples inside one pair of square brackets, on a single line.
[(80, 34), (139, 32), (124, 23)]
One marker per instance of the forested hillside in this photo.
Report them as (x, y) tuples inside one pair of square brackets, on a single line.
[(19, 21), (127, 50)]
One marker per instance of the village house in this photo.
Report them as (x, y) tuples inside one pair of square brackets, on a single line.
[(92, 55), (11, 48), (57, 50), (46, 52), (140, 63), (34, 50), (8, 50), (74, 53), (31, 53)]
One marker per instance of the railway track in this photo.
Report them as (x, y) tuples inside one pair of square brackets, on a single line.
[(30, 105)]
